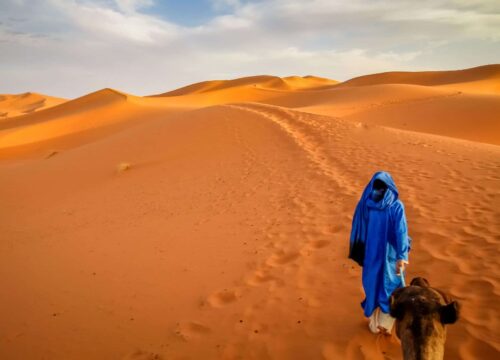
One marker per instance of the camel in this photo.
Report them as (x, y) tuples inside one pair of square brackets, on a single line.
[(422, 314)]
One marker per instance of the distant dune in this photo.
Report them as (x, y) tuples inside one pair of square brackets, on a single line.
[(212, 221), (90, 112), (263, 81), (437, 102), (15, 105), (482, 79), (83, 119)]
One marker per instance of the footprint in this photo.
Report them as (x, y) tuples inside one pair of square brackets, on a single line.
[(282, 258), (340, 227), (260, 277), (190, 329), (319, 244), (143, 355), (223, 298)]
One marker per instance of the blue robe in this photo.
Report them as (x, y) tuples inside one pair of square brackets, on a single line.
[(382, 230)]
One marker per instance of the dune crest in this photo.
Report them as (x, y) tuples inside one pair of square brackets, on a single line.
[(16, 105), (94, 112), (262, 81), (481, 79), (438, 102)]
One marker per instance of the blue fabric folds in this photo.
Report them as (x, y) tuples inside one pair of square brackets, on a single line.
[(379, 237)]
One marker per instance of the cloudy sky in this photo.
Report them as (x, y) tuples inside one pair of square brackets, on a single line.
[(71, 47)]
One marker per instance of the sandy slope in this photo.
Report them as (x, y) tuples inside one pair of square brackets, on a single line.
[(78, 121), (431, 110), (163, 228), (482, 79), (261, 81), (435, 104), (15, 105)]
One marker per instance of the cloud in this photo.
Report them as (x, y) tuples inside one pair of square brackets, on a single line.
[(131, 6), (226, 4), (71, 47), (124, 22)]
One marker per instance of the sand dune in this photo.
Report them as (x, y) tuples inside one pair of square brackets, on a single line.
[(344, 101), (438, 104), (262, 81), (83, 104), (15, 105), (440, 111), (466, 116), (481, 79), (77, 121), (214, 224)]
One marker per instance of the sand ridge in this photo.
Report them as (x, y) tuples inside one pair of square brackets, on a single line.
[(410, 101), (262, 81), (485, 78), (15, 105)]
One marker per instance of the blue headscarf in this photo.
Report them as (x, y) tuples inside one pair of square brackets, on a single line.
[(360, 219)]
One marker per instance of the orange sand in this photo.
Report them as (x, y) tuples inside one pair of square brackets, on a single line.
[(212, 221), (15, 105)]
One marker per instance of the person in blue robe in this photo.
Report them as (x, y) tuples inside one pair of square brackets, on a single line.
[(380, 243)]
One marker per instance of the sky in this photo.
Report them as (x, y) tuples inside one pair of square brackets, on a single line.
[(68, 48)]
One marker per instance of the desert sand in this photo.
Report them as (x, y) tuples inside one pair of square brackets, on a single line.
[(15, 105), (212, 221)]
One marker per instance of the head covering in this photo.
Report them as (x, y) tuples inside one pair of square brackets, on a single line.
[(360, 219)]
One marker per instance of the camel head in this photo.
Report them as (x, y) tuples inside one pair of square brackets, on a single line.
[(422, 314)]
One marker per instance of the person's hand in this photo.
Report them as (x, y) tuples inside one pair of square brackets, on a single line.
[(400, 266)]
